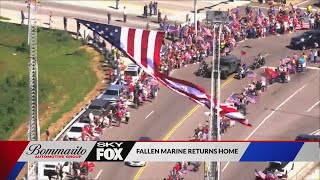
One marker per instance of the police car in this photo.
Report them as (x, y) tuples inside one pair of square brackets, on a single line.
[(136, 163)]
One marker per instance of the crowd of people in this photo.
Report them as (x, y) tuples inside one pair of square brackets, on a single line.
[(183, 47), (182, 168)]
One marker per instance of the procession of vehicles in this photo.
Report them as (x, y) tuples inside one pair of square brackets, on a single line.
[(309, 39), (229, 65)]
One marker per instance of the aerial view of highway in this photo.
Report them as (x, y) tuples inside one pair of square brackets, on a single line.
[(129, 70)]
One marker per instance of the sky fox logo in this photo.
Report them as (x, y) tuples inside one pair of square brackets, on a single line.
[(110, 151)]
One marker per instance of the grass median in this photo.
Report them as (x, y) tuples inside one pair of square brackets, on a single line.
[(65, 77)]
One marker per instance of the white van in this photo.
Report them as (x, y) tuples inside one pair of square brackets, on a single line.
[(47, 169)]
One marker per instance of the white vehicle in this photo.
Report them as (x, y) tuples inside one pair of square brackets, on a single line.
[(48, 169), (75, 131), (136, 163), (132, 66), (134, 71)]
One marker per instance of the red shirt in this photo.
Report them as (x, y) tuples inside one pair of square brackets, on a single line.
[(178, 167), (118, 113), (131, 88)]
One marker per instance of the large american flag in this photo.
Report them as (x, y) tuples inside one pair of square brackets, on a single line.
[(143, 48)]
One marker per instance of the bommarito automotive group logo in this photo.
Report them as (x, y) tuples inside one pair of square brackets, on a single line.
[(45, 153)]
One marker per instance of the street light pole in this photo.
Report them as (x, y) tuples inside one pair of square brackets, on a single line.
[(218, 97), (195, 17)]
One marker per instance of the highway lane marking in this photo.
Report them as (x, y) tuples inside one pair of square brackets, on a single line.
[(138, 174), (313, 106), (315, 132), (314, 68), (98, 174), (149, 114), (266, 55), (266, 118)]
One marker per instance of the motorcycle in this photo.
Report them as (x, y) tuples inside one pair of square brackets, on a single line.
[(258, 62), (202, 71), (255, 65), (242, 73), (262, 61)]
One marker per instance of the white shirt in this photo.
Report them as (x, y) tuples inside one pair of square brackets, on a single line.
[(315, 53)]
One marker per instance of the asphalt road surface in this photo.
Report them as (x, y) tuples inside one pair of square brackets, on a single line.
[(270, 120), (281, 113)]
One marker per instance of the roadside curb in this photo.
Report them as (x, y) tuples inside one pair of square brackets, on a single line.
[(306, 169)]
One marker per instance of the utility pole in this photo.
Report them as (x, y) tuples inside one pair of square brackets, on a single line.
[(33, 125), (195, 17), (214, 168)]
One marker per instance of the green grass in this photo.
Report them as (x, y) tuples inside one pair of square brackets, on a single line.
[(65, 75)]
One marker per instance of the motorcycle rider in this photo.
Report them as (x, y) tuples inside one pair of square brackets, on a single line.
[(203, 65), (260, 59), (244, 66), (242, 70)]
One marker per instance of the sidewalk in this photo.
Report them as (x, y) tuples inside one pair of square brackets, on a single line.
[(175, 10), (302, 170), (315, 175)]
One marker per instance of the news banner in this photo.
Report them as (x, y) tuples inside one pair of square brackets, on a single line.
[(170, 151), (14, 154)]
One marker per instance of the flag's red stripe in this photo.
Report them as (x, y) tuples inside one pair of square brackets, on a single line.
[(144, 48), (186, 83), (156, 54), (191, 96), (130, 43)]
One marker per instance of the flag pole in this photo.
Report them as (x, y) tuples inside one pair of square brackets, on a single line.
[(218, 99), (195, 17), (211, 118)]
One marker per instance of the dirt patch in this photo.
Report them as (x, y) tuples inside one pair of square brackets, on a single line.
[(48, 109), (2, 66)]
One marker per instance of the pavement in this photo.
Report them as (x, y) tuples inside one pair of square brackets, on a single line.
[(315, 175), (280, 114)]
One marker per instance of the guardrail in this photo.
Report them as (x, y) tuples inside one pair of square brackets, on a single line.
[(305, 171), (58, 136)]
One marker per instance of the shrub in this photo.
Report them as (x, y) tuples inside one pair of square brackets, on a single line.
[(61, 36), (24, 48)]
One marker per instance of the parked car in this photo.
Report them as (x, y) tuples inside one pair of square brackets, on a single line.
[(309, 39), (99, 104), (75, 131), (113, 93)]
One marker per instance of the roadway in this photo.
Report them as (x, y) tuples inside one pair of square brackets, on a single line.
[(156, 119), (281, 113)]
